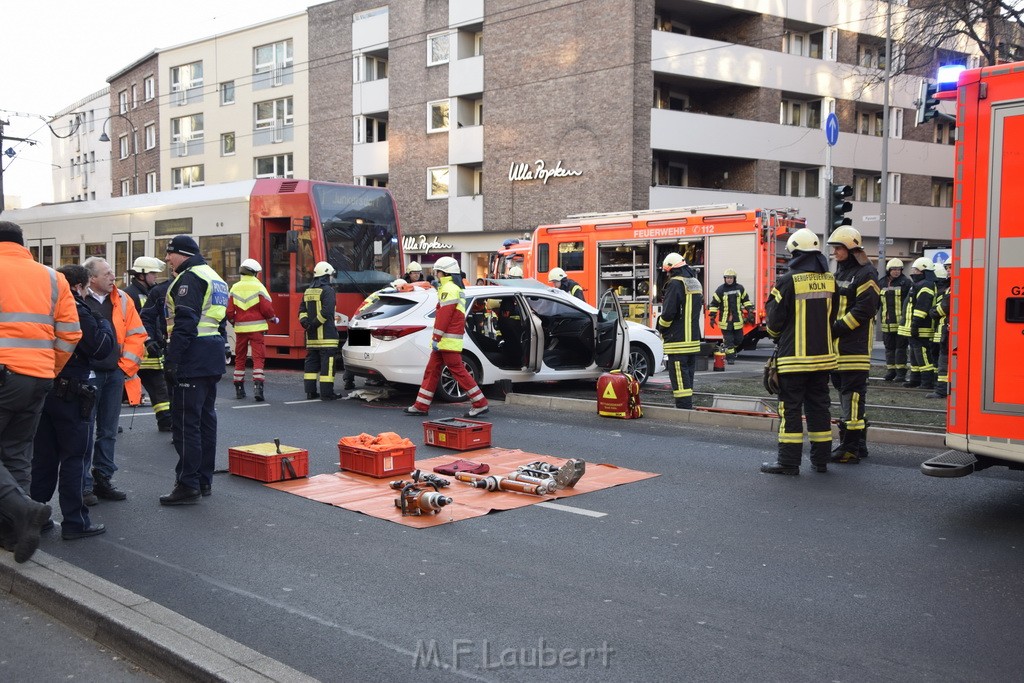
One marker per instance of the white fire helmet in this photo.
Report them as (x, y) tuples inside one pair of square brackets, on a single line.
[(940, 271), (414, 267), (446, 264), (323, 268), (556, 275), (923, 264), (893, 264), (803, 239), (147, 264), (847, 237), (252, 265), (673, 261), (515, 271)]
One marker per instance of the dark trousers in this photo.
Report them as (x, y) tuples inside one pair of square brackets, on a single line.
[(156, 386), (895, 351), (319, 370), (804, 393), (194, 430), (852, 386), (681, 367), (109, 387), (942, 361), (21, 404), (733, 340), (921, 355), (59, 453)]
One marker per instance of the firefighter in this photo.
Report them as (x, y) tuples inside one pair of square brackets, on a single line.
[(316, 315), (515, 273), (680, 324), (895, 288), (731, 305), (558, 278), (799, 320), (151, 370), (939, 312), (250, 311), (855, 304), (918, 325), (414, 273), (446, 342)]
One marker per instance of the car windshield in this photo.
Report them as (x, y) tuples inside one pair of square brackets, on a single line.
[(387, 307)]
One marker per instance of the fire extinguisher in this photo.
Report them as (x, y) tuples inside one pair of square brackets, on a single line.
[(719, 358)]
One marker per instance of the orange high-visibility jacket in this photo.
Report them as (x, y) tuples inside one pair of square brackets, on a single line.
[(131, 339), (39, 326)]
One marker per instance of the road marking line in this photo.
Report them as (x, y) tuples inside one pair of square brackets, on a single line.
[(566, 508), (254, 405), (305, 400)]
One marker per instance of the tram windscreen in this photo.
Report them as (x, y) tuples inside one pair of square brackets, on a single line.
[(360, 234)]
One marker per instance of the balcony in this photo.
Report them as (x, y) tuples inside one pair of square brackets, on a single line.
[(370, 97), (466, 214), (466, 145), (466, 76), (370, 159), (370, 33), (465, 12)]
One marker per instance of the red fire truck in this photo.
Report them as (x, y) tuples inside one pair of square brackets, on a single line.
[(985, 410)]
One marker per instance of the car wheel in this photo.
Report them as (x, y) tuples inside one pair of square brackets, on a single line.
[(641, 363), (448, 389)]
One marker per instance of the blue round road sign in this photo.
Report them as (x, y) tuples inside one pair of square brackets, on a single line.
[(831, 129)]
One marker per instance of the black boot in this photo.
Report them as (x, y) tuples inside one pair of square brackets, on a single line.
[(901, 375), (105, 489), (310, 395), (914, 381), (940, 391), (787, 462), (848, 451), (778, 468), (820, 455), (27, 520), (684, 403), (890, 375), (163, 421), (257, 390), (928, 380), (239, 389), (181, 495), (842, 439)]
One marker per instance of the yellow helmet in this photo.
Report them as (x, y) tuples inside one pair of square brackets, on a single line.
[(673, 261), (729, 272), (847, 237), (556, 275), (803, 239), (894, 263), (923, 264)]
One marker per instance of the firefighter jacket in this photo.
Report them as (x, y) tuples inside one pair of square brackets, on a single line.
[(567, 284), (316, 314), (855, 303), (799, 315), (249, 306), (939, 313), (680, 322), (39, 325), (730, 304), (131, 340), (153, 312), (97, 342), (139, 294), (917, 311), (894, 299), (196, 305), (450, 316)]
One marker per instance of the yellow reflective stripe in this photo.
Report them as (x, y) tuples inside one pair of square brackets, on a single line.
[(818, 437), (253, 326)]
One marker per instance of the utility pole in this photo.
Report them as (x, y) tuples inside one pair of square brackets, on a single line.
[(884, 199), (3, 138)]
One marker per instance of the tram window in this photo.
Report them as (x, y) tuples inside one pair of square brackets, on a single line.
[(542, 259), (70, 254), (1015, 310), (277, 277), (304, 262), (223, 253)]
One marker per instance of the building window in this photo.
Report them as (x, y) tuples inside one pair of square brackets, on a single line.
[(369, 68), (437, 182), (800, 113), (186, 77), (871, 56), (895, 122), (227, 144), (149, 88), (942, 192), (438, 48), (135, 96), (274, 113), (150, 134), (122, 145), (945, 133), (367, 14), (895, 188), (437, 116), (126, 188), (122, 101), (272, 56), (187, 128), (478, 112), (370, 182), (151, 181), (869, 123), (279, 166), (370, 129), (799, 182), (478, 43), (867, 187), (227, 92), (803, 44), (187, 176)]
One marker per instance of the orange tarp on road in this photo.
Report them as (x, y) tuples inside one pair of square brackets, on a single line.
[(374, 497)]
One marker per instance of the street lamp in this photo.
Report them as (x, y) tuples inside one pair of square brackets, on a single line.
[(135, 140)]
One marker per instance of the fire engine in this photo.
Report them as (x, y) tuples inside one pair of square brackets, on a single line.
[(985, 409), (623, 251)]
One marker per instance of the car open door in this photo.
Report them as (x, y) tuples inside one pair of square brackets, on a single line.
[(612, 338), (533, 334)]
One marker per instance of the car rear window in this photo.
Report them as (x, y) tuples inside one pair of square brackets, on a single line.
[(386, 307)]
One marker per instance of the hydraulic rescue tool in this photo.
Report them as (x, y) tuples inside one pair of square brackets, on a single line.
[(415, 500)]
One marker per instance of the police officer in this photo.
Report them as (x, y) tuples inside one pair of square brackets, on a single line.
[(940, 313), (446, 342), (799, 319), (316, 315), (62, 439), (151, 370), (250, 311), (558, 278), (680, 325), (855, 304), (895, 289), (919, 325), (731, 305), (196, 305)]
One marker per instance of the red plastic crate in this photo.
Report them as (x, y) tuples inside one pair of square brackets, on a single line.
[(457, 433), (380, 464), (262, 462)]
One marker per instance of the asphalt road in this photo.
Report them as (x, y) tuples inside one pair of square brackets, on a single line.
[(711, 571)]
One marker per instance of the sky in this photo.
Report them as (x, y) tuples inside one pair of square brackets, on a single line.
[(59, 51)]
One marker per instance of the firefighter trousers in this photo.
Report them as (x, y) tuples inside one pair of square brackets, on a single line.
[(852, 386), (895, 350), (804, 393), (453, 361), (681, 367), (733, 340), (921, 356), (319, 370), (243, 342), (156, 386)]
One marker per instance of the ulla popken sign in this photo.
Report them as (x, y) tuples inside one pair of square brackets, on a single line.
[(411, 243), (538, 171)]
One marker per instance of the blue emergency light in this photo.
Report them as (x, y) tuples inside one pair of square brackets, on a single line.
[(947, 77)]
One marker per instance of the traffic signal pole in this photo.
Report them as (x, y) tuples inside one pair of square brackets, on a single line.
[(884, 194)]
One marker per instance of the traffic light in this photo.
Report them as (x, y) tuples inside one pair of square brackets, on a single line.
[(838, 207), (927, 103)]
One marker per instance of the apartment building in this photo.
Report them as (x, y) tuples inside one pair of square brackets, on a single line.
[(132, 126), (81, 168)]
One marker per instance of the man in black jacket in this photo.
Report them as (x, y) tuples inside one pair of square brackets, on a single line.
[(680, 324), (151, 370), (196, 306), (316, 315), (730, 308), (799, 320), (895, 289), (855, 303)]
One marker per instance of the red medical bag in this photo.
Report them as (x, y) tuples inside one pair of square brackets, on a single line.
[(618, 395)]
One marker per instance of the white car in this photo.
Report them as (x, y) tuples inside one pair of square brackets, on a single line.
[(521, 331)]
